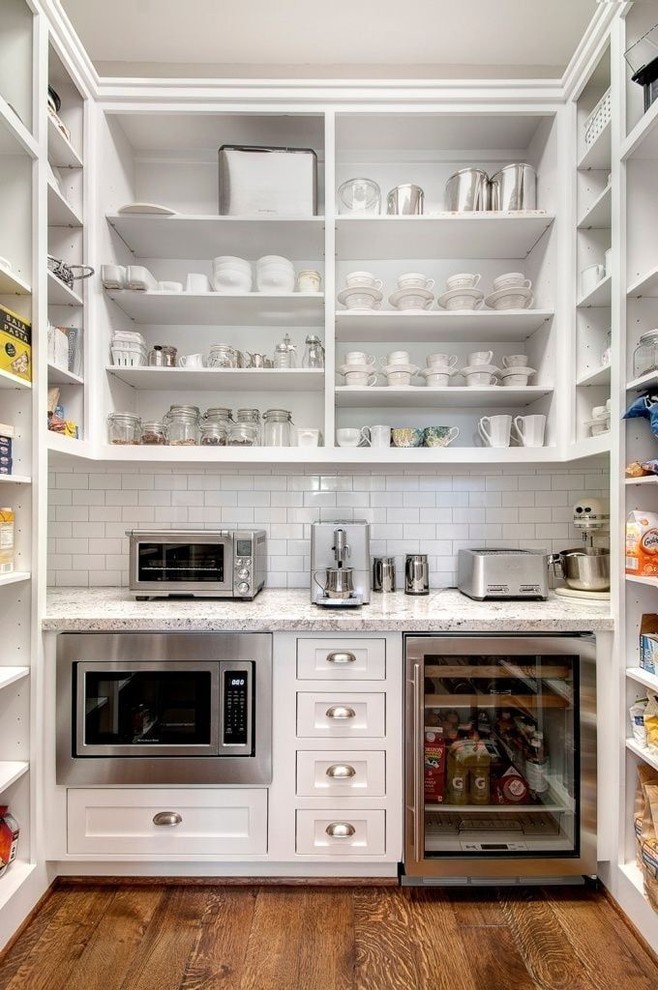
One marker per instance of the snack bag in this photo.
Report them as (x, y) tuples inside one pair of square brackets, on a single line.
[(642, 544), (636, 712), (651, 723), (9, 831)]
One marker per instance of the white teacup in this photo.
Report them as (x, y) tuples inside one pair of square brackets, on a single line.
[(360, 358), (441, 361), (191, 361), (309, 280), (398, 378), (414, 280), (360, 378), (511, 280), (359, 279), (480, 357), (515, 361), (307, 436), (351, 436), (463, 280), (396, 357), (197, 282), (438, 379), (590, 278), (530, 430), (477, 378), (495, 430), (599, 412)]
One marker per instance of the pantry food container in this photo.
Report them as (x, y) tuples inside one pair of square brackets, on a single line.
[(645, 355), (262, 181), (514, 187)]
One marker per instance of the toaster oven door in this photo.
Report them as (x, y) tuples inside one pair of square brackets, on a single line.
[(200, 564)]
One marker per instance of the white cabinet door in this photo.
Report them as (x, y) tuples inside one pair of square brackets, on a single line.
[(343, 833), (340, 715), (346, 774), (167, 822), (343, 659)]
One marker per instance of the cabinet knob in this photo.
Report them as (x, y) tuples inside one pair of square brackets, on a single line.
[(340, 711), (340, 830), (167, 818), (340, 770), (341, 656)]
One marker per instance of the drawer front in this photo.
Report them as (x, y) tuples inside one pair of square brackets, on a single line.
[(135, 822), (341, 833), (340, 716), (346, 774), (342, 659)]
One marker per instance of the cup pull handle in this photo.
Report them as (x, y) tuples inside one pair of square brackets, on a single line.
[(340, 830), (167, 818), (340, 711), (340, 771), (339, 656)]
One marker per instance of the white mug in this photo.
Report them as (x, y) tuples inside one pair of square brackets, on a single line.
[(307, 436), (590, 278), (380, 436), (360, 378), (309, 280), (396, 357), (495, 430), (352, 436), (191, 361), (463, 280), (530, 430), (356, 279), (515, 361), (439, 361), (607, 261), (197, 282), (511, 280), (414, 280), (360, 358), (479, 357)]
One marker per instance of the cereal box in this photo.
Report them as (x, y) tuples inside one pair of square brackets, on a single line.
[(435, 766), (15, 344), (9, 831)]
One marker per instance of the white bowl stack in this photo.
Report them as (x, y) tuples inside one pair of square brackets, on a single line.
[(275, 273), (231, 274), (128, 349)]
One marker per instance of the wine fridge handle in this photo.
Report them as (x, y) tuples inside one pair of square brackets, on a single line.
[(418, 743)]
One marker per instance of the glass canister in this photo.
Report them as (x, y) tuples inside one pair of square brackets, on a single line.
[(153, 433), (222, 356), (213, 433), (284, 353), (277, 428), (219, 414), (314, 353), (245, 432), (645, 355), (124, 427), (182, 426)]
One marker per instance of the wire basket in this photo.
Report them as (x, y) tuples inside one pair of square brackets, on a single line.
[(598, 119)]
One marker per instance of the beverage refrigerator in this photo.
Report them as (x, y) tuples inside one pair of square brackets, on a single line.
[(500, 759)]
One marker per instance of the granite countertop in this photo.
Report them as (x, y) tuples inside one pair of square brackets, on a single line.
[(106, 609)]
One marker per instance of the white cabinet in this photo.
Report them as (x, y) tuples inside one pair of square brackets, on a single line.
[(361, 659), (341, 715), (346, 832), (349, 773)]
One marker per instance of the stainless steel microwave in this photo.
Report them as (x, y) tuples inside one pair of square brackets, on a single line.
[(197, 563)]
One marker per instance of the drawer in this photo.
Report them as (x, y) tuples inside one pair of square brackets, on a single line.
[(343, 659), (341, 716), (340, 833), (349, 773), (122, 822)]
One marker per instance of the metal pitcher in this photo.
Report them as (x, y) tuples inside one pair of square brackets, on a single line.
[(339, 582)]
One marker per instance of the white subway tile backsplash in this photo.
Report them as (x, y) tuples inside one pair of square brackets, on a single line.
[(409, 512)]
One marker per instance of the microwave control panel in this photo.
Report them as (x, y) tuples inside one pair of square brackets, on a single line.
[(236, 705)]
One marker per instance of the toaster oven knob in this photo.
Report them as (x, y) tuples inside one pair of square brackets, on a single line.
[(243, 573), (243, 587)]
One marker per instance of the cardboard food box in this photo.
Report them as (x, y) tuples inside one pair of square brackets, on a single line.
[(435, 766), (15, 344), (9, 832), (649, 643)]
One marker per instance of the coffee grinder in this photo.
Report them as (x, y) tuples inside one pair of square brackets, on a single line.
[(335, 546)]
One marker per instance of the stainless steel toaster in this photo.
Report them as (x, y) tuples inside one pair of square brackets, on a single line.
[(502, 573)]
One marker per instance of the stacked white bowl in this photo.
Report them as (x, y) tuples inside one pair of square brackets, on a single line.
[(275, 273), (231, 274), (128, 348)]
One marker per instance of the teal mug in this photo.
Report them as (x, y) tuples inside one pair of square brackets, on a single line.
[(439, 436)]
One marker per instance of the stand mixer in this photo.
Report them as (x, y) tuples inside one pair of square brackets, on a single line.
[(586, 569)]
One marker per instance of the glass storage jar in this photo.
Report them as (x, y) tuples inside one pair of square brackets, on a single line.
[(124, 427), (153, 432), (182, 426), (314, 353), (218, 414), (213, 433), (645, 355), (277, 428), (245, 432)]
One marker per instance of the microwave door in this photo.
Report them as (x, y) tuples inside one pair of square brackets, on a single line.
[(197, 566)]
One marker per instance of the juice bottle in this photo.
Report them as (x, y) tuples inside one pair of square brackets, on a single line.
[(457, 786), (6, 541), (536, 764), (480, 774)]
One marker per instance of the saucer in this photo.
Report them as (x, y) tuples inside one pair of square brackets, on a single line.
[(517, 371), (473, 369), (396, 297), (443, 370), (359, 290), (362, 369), (473, 292), (410, 369), (517, 290)]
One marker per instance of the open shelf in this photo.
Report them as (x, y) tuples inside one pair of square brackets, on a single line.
[(294, 309), (15, 479), (644, 754), (598, 155), (643, 677), (599, 215), (643, 382), (448, 235), (14, 135), (9, 675), (600, 295), (60, 376), (59, 294), (590, 446), (8, 380), (58, 443), (488, 326), (642, 141), (652, 582), (10, 772), (15, 577), (60, 212), (645, 285), (13, 880), (11, 284), (455, 397), (61, 152), (600, 376), (205, 237), (214, 379), (648, 479)]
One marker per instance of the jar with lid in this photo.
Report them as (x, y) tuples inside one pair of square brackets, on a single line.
[(314, 353), (182, 426), (245, 432), (218, 414), (124, 427), (277, 428), (153, 433), (162, 356), (645, 355), (213, 433)]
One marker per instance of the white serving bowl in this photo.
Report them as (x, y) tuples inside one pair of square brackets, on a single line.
[(275, 279), (232, 280), (276, 260), (231, 261)]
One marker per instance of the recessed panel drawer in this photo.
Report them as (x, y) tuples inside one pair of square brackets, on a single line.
[(349, 773), (341, 833), (341, 658), (167, 821), (340, 716)]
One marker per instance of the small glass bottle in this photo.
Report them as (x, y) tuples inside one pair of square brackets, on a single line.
[(277, 428), (153, 433), (124, 428), (284, 354), (314, 353)]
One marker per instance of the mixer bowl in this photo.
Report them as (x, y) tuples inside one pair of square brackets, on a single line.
[(586, 568)]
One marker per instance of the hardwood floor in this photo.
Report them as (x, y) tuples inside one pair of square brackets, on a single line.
[(175, 937)]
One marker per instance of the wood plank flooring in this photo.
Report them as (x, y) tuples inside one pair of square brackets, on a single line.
[(214, 937)]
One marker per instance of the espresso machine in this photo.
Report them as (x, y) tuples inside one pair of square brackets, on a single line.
[(340, 563)]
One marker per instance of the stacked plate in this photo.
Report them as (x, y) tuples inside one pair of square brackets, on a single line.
[(412, 299), (360, 298), (463, 298), (514, 297)]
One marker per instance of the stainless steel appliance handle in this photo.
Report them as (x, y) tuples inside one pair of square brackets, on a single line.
[(340, 711), (418, 742), (341, 656), (340, 830), (167, 819), (340, 771)]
